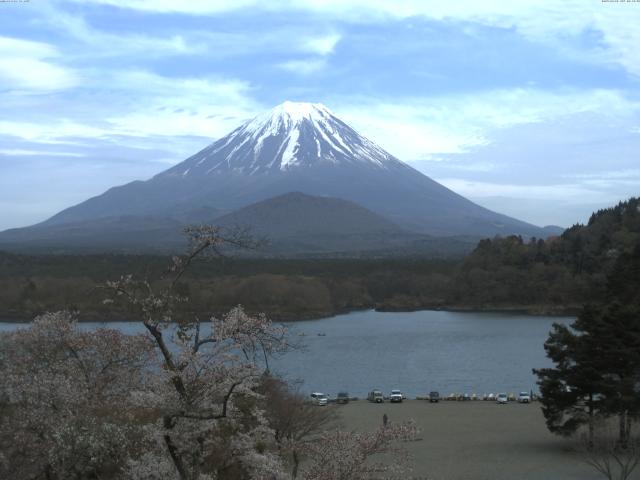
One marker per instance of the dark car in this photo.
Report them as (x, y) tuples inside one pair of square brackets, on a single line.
[(434, 397), (343, 397)]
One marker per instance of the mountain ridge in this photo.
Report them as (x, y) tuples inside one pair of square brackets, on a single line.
[(273, 141), (296, 147), (292, 225), (296, 213)]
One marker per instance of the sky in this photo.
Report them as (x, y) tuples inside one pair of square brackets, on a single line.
[(529, 108)]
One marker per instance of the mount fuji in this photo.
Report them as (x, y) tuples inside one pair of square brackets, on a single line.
[(295, 147)]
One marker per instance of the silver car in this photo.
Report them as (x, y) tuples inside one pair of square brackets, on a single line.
[(319, 398), (524, 397), (396, 396)]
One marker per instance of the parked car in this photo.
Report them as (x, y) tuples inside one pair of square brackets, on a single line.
[(491, 397), (375, 396), (343, 397), (396, 396), (502, 398), (524, 397), (434, 397), (318, 398)]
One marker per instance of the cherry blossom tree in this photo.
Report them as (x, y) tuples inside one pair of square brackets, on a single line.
[(340, 455), (211, 422), (294, 420), (66, 410), (184, 401)]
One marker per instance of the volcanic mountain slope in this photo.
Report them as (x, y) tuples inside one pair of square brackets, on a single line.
[(127, 233), (296, 214), (297, 147), (290, 225), (297, 224)]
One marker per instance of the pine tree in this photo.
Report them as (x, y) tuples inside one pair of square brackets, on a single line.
[(597, 359), (570, 391)]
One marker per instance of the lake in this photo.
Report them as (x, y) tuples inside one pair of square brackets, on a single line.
[(414, 351)]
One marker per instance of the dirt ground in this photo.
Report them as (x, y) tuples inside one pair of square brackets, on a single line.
[(476, 440)]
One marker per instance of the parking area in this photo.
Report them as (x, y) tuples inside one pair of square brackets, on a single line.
[(476, 440)]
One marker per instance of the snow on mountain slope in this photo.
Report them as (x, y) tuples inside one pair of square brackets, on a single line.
[(297, 147), (289, 136)]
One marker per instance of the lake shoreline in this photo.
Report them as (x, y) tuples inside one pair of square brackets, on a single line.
[(534, 310), (414, 351)]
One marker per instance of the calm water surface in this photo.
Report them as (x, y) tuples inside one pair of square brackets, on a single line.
[(413, 351)]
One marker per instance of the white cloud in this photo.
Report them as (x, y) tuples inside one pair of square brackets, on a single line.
[(545, 22), (563, 192), (322, 45), (28, 66), (212, 43), (304, 67), (171, 107), (626, 174), (50, 132), (195, 7), (593, 191), (419, 128), (19, 152), (98, 43), (208, 107), (557, 204), (540, 21), (20, 48), (408, 134)]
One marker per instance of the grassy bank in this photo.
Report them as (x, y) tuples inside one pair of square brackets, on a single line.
[(476, 440)]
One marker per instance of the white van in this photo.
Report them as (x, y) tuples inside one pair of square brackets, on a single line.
[(318, 398), (375, 396)]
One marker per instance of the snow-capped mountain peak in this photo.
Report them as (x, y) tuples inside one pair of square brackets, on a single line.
[(295, 147), (294, 112), (291, 135)]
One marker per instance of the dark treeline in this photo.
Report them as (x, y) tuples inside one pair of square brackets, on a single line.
[(285, 289), (558, 274)]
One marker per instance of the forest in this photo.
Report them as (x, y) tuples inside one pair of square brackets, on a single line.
[(554, 275), (196, 403)]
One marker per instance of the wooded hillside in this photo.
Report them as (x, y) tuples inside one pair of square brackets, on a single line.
[(554, 275)]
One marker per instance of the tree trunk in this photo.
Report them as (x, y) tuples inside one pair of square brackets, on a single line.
[(591, 425), (173, 451), (296, 464), (624, 434)]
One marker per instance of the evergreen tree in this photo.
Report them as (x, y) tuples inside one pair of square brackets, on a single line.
[(597, 359), (570, 390)]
